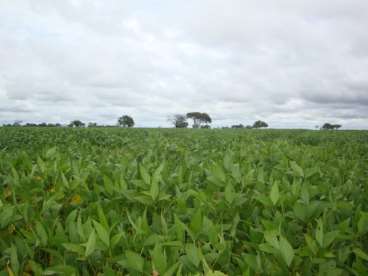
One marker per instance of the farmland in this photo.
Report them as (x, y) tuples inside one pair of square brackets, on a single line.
[(183, 202)]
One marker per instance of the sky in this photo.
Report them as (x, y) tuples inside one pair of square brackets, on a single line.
[(293, 64)]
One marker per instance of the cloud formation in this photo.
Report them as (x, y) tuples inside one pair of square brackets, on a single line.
[(291, 63)]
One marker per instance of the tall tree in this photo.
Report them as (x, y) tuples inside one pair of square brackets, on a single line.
[(260, 124), (76, 123), (199, 118), (126, 121), (92, 124), (179, 121), (237, 126), (328, 126)]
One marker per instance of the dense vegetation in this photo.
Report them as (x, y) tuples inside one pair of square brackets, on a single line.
[(183, 202)]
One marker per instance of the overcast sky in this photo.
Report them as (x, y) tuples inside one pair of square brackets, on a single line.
[(292, 63)]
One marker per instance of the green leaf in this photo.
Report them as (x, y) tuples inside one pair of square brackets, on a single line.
[(253, 262), (360, 253), (298, 171), (75, 248), (156, 177), (319, 233), (159, 259), (80, 228), (14, 259), (274, 194), (196, 222), (215, 273), (304, 194), (155, 190), (145, 175), (271, 238), (229, 193), (102, 233), (116, 238), (329, 238), (311, 244), (41, 233), (134, 261), (363, 223), (287, 251), (193, 254), (50, 153), (60, 270), (101, 216), (91, 244), (228, 164), (171, 270)]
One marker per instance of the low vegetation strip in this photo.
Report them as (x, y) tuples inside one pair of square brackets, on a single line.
[(110, 201)]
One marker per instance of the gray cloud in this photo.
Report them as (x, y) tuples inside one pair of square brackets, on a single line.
[(292, 63)]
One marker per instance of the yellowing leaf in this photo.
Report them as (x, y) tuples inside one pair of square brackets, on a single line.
[(76, 199)]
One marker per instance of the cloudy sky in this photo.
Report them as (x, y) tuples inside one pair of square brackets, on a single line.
[(291, 63)]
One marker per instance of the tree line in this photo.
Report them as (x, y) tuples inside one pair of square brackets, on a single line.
[(197, 120)]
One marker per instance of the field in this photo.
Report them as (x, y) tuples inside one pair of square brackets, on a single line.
[(115, 201)]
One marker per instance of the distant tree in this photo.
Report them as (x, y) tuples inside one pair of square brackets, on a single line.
[(248, 127), (17, 123), (179, 121), (259, 124), (199, 118), (92, 124), (206, 126), (126, 121), (76, 123), (328, 126), (237, 126)]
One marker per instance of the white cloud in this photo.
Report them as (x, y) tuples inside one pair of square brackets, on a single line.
[(292, 63)]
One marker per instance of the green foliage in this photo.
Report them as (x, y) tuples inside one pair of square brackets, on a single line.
[(112, 201)]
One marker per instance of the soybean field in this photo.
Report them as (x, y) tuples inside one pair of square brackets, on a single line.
[(112, 201)]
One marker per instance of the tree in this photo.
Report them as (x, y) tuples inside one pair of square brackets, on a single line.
[(237, 126), (199, 118), (328, 126), (179, 121), (92, 124), (259, 124), (76, 123), (17, 123), (126, 121)]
